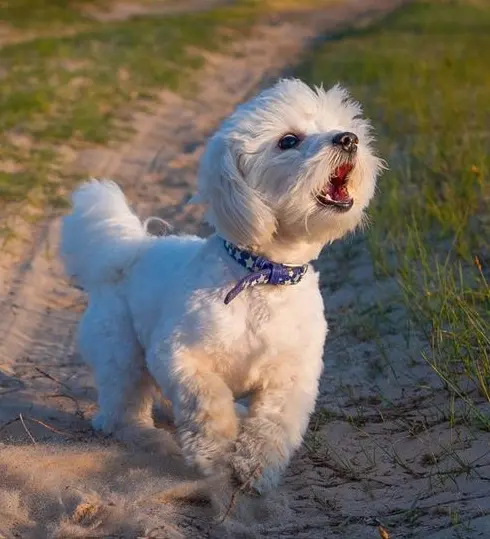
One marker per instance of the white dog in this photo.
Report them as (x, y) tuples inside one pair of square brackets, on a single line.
[(208, 321)]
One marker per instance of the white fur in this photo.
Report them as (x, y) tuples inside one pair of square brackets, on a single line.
[(156, 317)]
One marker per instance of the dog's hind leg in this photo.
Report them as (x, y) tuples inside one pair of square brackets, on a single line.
[(125, 388)]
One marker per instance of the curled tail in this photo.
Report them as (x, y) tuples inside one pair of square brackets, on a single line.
[(102, 237)]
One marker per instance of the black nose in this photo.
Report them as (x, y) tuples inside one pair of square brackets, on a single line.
[(348, 141)]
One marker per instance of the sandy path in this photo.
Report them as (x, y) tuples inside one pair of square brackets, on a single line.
[(379, 447)]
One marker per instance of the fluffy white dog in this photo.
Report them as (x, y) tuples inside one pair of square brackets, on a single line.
[(208, 321)]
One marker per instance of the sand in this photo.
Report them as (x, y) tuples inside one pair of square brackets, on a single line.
[(380, 450)]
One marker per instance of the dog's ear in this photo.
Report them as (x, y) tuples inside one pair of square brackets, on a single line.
[(235, 208)]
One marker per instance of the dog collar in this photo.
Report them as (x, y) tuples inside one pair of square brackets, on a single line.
[(262, 271)]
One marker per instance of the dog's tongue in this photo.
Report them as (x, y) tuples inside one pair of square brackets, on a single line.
[(339, 194), (338, 183), (339, 175)]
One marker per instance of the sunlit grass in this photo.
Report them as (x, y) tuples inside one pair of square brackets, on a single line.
[(423, 77), (39, 13), (76, 80), (73, 90)]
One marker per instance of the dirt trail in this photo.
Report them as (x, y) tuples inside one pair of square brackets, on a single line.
[(377, 439)]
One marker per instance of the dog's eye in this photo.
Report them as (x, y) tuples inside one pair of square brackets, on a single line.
[(288, 141)]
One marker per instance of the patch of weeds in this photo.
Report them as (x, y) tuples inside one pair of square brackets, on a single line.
[(411, 517), (321, 417), (414, 72), (341, 466), (428, 459), (74, 90), (358, 419), (453, 308), (37, 14), (325, 501), (76, 81)]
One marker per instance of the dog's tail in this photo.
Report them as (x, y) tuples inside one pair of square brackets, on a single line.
[(102, 237)]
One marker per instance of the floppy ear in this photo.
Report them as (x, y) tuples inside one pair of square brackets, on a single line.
[(235, 209)]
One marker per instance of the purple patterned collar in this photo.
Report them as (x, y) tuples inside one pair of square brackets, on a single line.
[(262, 271)]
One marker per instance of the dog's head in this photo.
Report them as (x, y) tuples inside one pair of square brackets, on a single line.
[(289, 171)]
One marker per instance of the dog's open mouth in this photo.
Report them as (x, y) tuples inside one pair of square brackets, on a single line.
[(335, 193)]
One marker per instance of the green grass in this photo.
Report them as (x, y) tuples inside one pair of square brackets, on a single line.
[(71, 80), (32, 14), (56, 89), (72, 90), (422, 75)]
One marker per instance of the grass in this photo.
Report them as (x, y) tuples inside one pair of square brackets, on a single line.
[(72, 90), (57, 14), (424, 80), (74, 80)]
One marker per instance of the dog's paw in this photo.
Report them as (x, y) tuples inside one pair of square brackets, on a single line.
[(245, 477), (258, 459), (206, 453), (253, 476)]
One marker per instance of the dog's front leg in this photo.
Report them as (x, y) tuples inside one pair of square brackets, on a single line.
[(277, 421), (205, 417)]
